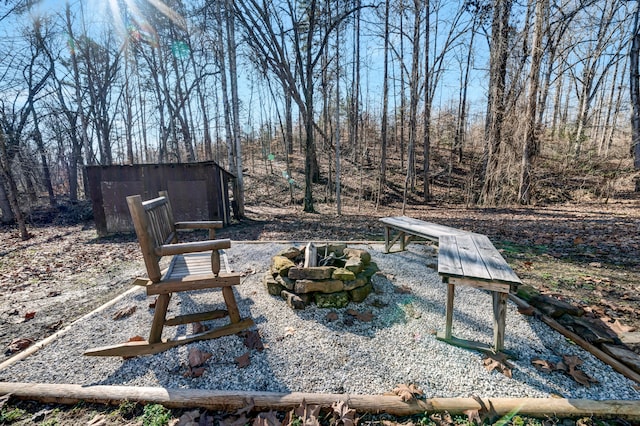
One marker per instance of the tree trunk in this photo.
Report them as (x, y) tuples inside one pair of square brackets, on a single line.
[(530, 134), (634, 85), (427, 106), (37, 136), (385, 107), (5, 205), (235, 106), (11, 188), (495, 110)]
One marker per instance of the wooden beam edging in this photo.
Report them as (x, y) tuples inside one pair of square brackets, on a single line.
[(601, 355), (47, 340), (233, 400)]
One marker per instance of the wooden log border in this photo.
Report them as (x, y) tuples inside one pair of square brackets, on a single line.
[(234, 400)]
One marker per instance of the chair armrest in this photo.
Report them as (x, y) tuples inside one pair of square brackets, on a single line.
[(204, 224), (193, 247)]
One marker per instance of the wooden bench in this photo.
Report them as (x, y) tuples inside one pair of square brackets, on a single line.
[(408, 228), (472, 260), (464, 258), (194, 266)]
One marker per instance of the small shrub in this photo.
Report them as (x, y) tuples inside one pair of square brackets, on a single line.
[(11, 415), (155, 415)]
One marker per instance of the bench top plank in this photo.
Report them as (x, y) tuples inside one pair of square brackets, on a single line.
[(493, 260), (471, 259), (420, 227), (473, 256), (449, 259)]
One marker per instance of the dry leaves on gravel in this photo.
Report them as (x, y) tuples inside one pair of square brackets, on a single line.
[(17, 345), (498, 362), (569, 365), (124, 312), (196, 358)]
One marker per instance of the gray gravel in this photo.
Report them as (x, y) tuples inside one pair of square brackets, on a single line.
[(306, 352)]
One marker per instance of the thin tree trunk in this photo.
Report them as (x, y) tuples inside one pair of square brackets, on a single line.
[(634, 86), (235, 106), (37, 135), (427, 106), (385, 108), (495, 112), (530, 136)]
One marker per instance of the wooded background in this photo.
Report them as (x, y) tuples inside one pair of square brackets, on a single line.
[(399, 93)]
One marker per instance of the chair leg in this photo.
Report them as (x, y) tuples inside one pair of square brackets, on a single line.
[(232, 307), (162, 303)]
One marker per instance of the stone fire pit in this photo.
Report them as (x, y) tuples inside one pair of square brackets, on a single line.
[(330, 275)]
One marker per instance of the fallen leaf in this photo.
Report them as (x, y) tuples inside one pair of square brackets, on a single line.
[(289, 331), (484, 412), (620, 328), (407, 392), (331, 316), (53, 293), (195, 372), (198, 327), (361, 316), (442, 419), (243, 360), (267, 419), (197, 357), (342, 414), (571, 361), (136, 339), (582, 377), (188, 418), (543, 365), (473, 416), (252, 340), (17, 345), (29, 316), (308, 413), (498, 362), (578, 240), (124, 312)]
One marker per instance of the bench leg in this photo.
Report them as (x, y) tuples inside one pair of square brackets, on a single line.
[(387, 237), (159, 316), (451, 290), (230, 301), (402, 241), (499, 319)]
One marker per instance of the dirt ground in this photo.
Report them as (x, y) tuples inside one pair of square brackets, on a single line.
[(587, 254)]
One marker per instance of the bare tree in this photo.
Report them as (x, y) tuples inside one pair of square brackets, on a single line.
[(530, 134), (634, 86), (496, 102), (263, 23)]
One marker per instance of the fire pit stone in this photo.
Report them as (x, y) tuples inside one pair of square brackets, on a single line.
[(331, 275)]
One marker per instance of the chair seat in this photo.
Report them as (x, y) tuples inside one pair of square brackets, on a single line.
[(184, 265)]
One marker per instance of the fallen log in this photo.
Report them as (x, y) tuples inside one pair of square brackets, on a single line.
[(601, 355), (391, 404)]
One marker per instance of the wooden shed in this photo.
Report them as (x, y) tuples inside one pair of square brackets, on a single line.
[(198, 191)]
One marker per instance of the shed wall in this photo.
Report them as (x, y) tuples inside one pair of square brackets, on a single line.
[(198, 191)]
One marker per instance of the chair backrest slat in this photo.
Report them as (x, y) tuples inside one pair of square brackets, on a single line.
[(154, 225)]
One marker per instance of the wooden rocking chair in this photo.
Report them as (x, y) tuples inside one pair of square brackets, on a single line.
[(195, 266)]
